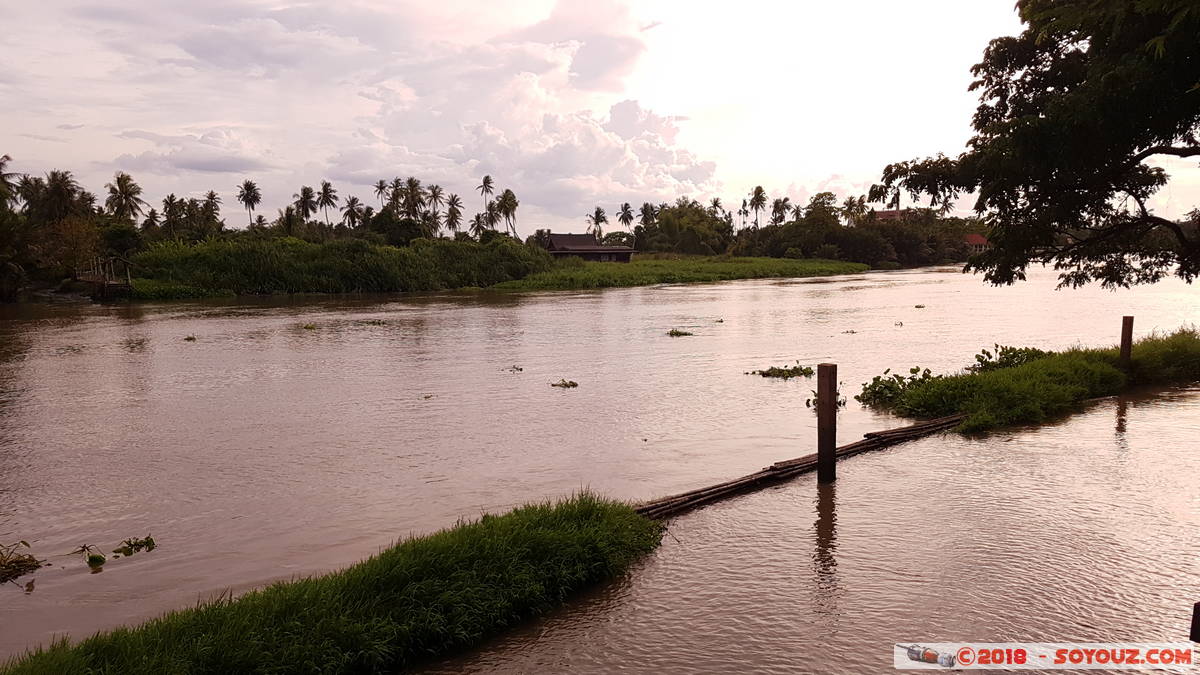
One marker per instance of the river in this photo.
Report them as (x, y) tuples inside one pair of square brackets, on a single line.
[(295, 436)]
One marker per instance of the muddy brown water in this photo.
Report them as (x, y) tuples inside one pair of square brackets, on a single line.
[(265, 450)]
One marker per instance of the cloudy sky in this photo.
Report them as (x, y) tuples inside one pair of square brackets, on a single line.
[(571, 103)]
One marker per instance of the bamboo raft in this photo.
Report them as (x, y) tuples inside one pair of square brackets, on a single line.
[(666, 507)]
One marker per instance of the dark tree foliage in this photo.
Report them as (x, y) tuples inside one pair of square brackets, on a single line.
[(1071, 111)]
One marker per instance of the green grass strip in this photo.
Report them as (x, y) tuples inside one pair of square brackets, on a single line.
[(422, 598), (1051, 384), (573, 273)]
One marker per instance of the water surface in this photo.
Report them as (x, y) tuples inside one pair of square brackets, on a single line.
[(265, 449)]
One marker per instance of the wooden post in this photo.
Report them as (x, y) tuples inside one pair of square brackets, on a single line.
[(1126, 342), (826, 422), (1195, 623)]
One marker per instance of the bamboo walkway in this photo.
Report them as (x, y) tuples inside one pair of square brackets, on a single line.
[(666, 507)]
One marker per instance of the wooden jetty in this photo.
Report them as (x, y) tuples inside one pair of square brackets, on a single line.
[(109, 278), (780, 471)]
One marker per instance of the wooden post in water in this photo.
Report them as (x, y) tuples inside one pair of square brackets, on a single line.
[(1126, 342), (1195, 623), (826, 422)]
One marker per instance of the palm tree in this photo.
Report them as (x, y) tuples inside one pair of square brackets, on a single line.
[(326, 199), (485, 189), (797, 211), (744, 212), (758, 201), (435, 198), (352, 212), (779, 210), (507, 206), (250, 196), (414, 198), (381, 191), (625, 215), (715, 205), (395, 193), (287, 220), (124, 198), (595, 220), (305, 202), (649, 214), (453, 213), (8, 183), (61, 196), (491, 213), (478, 225), (151, 221), (259, 221), (854, 209)]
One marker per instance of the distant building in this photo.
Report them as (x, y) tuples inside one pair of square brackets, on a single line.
[(587, 247), (891, 215), (977, 243)]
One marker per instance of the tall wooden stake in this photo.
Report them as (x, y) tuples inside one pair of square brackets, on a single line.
[(826, 422), (1126, 342), (1195, 622)]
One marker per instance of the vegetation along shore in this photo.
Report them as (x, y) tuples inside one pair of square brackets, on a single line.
[(419, 599), (1010, 385), (53, 231)]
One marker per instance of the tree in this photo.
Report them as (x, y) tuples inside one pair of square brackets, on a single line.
[(625, 215), (327, 198), (715, 205), (435, 198), (648, 213), (758, 202), (396, 193), (352, 212), (478, 225), (485, 187), (596, 220), (124, 200), (250, 196), (855, 209), (507, 204), (779, 210), (8, 184), (413, 198), (212, 204), (381, 191), (1055, 185), (287, 221), (454, 207), (305, 202)]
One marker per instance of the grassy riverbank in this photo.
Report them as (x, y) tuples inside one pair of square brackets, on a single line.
[(422, 598), (286, 265), (1042, 385), (576, 274)]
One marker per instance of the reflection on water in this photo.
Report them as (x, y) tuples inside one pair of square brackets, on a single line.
[(264, 450)]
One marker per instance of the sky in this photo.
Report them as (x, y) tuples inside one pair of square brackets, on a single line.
[(570, 103)]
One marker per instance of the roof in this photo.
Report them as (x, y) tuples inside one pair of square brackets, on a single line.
[(582, 243), (976, 240), (572, 241)]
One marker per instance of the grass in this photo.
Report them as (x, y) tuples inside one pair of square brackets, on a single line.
[(573, 273), (1041, 385), (172, 270), (422, 598)]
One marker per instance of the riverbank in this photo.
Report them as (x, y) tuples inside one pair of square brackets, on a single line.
[(1022, 386), (422, 598), (228, 269), (574, 274)]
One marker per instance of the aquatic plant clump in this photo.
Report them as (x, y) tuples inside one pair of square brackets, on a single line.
[(15, 562), (675, 332), (785, 372), (422, 598), (1038, 385), (565, 384)]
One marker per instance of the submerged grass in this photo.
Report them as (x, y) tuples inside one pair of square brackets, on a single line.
[(1044, 385), (573, 273), (15, 561), (421, 598)]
